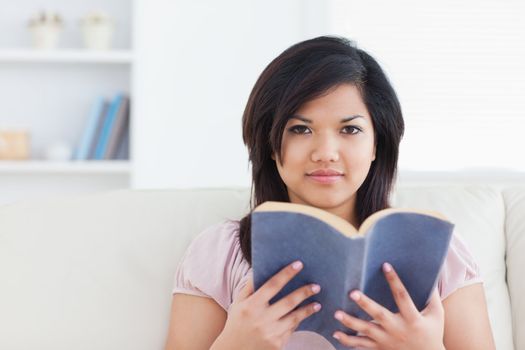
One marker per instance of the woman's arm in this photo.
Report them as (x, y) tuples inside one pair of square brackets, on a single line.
[(251, 323), (195, 322), (467, 323)]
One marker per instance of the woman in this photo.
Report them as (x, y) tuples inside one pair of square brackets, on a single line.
[(322, 126)]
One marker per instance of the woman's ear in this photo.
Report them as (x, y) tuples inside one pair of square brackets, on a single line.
[(273, 156)]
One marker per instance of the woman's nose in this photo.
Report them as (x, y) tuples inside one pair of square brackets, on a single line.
[(325, 150)]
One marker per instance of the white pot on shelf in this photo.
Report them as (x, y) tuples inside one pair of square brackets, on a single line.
[(45, 36), (97, 28), (98, 36)]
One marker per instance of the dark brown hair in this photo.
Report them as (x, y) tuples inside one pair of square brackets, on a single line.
[(301, 73)]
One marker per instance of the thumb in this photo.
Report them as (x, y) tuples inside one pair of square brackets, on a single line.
[(247, 290)]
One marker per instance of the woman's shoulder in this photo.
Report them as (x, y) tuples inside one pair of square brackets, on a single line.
[(221, 234), (459, 269), (213, 264)]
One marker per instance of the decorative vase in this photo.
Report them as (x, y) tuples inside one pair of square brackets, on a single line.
[(45, 36), (98, 29), (45, 29)]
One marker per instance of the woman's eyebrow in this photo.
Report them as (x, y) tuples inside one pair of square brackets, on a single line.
[(344, 120)]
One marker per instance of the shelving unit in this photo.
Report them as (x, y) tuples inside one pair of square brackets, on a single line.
[(73, 167), (50, 93), (65, 56)]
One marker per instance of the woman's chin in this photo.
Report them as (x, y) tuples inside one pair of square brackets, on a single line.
[(328, 202)]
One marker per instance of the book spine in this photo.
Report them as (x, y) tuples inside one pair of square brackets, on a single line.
[(123, 148), (117, 132), (96, 135), (106, 129), (82, 151)]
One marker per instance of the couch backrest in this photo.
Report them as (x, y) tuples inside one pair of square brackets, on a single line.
[(514, 199), (96, 271)]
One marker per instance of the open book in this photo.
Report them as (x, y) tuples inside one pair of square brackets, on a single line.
[(340, 258)]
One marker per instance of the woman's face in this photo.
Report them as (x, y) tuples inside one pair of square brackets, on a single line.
[(332, 133)]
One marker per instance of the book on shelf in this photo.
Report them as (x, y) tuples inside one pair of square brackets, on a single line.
[(94, 119), (123, 147), (98, 131), (113, 128), (106, 134), (118, 130), (341, 258)]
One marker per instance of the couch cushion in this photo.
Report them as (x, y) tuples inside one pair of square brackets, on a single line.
[(515, 228)]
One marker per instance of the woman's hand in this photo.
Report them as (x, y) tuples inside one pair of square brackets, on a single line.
[(405, 330), (255, 324)]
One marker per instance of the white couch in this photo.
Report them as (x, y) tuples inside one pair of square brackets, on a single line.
[(96, 271)]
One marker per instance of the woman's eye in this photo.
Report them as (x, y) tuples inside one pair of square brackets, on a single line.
[(350, 128), (298, 129), (303, 129)]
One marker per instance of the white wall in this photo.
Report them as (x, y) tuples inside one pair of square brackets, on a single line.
[(197, 62), (457, 67)]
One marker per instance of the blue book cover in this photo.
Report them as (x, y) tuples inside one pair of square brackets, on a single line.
[(340, 258), (95, 114), (107, 127)]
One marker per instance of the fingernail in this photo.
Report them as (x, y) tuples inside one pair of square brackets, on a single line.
[(355, 295), (297, 265), (317, 307), (336, 336), (387, 267), (316, 288), (338, 315)]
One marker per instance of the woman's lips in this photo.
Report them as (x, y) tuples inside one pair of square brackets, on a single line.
[(325, 179)]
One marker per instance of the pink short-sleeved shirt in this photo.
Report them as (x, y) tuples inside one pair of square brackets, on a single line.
[(213, 266)]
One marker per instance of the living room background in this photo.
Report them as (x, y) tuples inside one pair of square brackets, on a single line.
[(189, 67)]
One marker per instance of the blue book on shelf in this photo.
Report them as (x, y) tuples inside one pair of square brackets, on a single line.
[(341, 258), (95, 114), (107, 127), (98, 131)]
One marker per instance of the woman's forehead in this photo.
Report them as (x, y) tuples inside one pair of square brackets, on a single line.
[(340, 102)]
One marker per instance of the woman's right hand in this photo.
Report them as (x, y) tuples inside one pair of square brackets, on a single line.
[(255, 324)]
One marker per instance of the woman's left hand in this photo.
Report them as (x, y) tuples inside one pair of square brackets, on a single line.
[(408, 329)]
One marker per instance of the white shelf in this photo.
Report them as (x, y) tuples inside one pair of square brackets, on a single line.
[(65, 56), (39, 167)]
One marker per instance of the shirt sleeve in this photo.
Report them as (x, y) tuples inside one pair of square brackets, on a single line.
[(459, 269), (213, 264)]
